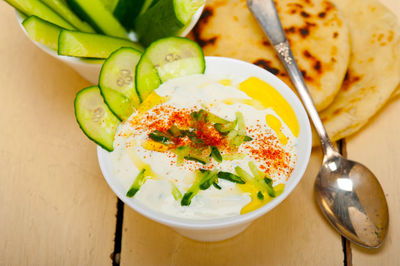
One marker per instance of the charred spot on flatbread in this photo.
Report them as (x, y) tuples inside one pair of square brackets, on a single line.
[(267, 65), (205, 17), (349, 80)]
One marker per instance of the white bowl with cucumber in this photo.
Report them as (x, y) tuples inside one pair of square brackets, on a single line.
[(83, 33), (128, 79)]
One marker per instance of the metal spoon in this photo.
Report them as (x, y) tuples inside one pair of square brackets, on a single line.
[(347, 192)]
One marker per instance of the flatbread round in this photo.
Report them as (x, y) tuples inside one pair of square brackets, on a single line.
[(314, 28), (374, 70)]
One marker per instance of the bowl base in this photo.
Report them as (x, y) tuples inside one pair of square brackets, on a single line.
[(212, 235)]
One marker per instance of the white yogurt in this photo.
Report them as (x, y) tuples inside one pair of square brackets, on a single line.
[(194, 93)]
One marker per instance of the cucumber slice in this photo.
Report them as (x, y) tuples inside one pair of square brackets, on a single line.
[(42, 31), (146, 78), (63, 10), (94, 12), (80, 44), (185, 9), (39, 9), (94, 118), (165, 59), (117, 82), (165, 18)]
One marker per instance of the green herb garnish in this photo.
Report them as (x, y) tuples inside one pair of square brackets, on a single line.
[(247, 138), (231, 177), (216, 154), (194, 159), (270, 188), (217, 186), (139, 181), (204, 180), (174, 131), (260, 195), (159, 137)]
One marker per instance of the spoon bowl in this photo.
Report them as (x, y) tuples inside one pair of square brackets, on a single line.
[(352, 200)]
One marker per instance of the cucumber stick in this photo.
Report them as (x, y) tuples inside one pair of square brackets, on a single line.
[(41, 10), (94, 12), (125, 11), (80, 44), (63, 10), (95, 118), (165, 18), (146, 5), (117, 82), (165, 59), (42, 31), (110, 4)]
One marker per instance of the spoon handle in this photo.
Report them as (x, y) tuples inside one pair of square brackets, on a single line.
[(267, 16)]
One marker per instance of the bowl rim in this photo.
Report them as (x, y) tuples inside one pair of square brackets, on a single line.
[(185, 223), (79, 61)]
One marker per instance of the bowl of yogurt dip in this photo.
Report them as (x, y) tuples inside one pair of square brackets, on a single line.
[(208, 154)]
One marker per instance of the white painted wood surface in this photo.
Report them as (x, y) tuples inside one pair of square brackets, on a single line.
[(55, 207)]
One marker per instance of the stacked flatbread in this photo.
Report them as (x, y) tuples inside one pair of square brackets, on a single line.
[(348, 52)]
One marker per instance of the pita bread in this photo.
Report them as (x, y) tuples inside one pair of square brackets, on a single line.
[(314, 28), (374, 70)]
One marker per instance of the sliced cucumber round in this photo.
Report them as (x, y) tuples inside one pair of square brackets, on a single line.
[(146, 78), (117, 82), (95, 118), (168, 58)]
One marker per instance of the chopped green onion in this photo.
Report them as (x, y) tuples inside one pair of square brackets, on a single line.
[(139, 181), (187, 198), (241, 124), (208, 180), (243, 174), (207, 117), (174, 131), (200, 115), (217, 186), (190, 158), (226, 127), (247, 138), (254, 170), (238, 140), (212, 118), (216, 154), (175, 192), (192, 136), (204, 180), (231, 177), (260, 195), (270, 189), (158, 137)]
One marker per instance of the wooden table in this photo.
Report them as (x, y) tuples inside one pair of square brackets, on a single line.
[(56, 208)]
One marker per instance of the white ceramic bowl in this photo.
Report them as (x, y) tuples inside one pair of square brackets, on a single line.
[(223, 228), (89, 70)]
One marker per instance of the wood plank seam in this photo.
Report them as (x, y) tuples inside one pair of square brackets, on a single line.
[(116, 255), (346, 246)]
